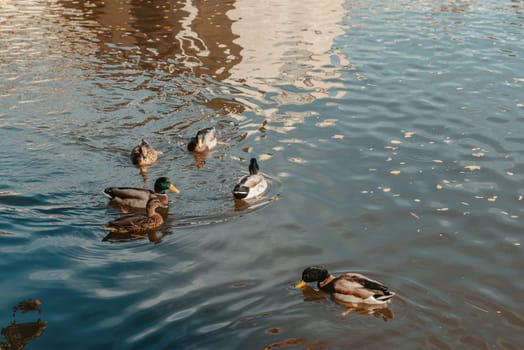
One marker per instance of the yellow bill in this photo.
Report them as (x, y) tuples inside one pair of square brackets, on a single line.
[(301, 284), (173, 188)]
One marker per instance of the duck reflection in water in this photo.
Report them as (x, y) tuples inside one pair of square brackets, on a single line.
[(154, 236), (200, 159), (356, 292), (19, 334)]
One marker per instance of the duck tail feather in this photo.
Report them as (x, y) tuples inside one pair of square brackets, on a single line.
[(386, 296), (240, 192)]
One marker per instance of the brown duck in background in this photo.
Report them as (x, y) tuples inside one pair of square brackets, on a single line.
[(144, 154)]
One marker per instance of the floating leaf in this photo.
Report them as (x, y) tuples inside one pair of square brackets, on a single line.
[(326, 123), (265, 156), (359, 76), (472, 167), (285, 343), (297, 160)]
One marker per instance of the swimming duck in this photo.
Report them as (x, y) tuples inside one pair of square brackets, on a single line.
[(204, 140), (139, 222), (351, 288), (138, 197), (144, 154), (252, 185)]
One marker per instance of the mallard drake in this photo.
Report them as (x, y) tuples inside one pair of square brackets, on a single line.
[(204, 140), (139, 222), (252, 185), (350, 288), (138, 197), (144, 154)]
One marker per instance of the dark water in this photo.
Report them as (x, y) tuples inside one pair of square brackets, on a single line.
[(392, 133)]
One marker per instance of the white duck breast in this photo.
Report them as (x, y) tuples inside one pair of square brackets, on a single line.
[(211, 140)]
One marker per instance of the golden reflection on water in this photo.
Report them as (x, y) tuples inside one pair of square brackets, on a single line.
[(253, 46), (194, 35), (288, 44), (242, 41)]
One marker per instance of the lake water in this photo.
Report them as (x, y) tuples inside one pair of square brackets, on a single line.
[(392, 135)]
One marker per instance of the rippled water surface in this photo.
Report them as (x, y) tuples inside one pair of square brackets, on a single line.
[(391, 134)]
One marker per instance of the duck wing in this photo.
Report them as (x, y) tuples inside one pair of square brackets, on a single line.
[(365, 282), (131, 223), (253, 180), (128, 193), (353, 286)]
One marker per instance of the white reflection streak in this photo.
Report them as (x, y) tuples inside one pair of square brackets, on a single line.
[(288, 41), (187, 35)]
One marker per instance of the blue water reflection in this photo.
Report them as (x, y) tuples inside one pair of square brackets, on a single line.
[(390, 134)]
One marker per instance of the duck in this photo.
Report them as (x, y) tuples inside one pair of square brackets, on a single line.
[(204, 140), (144, 154), (349, 288), (138, 197), (139, 222), (252, 185)]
